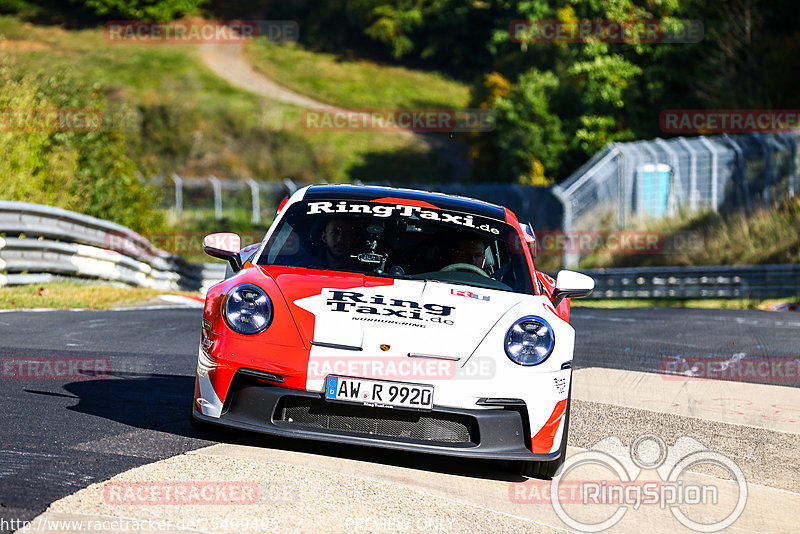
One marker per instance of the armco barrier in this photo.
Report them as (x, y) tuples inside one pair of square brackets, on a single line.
[(737, 281), (65, 243)]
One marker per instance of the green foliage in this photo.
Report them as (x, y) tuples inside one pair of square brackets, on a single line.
[(15, 6), (84, 171), (597, 131), (354, 84), (80, 12), (183, 118), (556, 103), (160, 10), (606, 91), (605, 79), (763, 237), (392, 24), (528, 139)]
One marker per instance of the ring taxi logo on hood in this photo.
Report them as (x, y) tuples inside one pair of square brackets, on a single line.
[(348, 301), (384, 211)]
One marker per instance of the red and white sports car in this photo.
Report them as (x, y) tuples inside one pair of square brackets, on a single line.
[(392, 318)]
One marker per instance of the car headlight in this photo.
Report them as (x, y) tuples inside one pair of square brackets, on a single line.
[(529, 341), (247, 309)]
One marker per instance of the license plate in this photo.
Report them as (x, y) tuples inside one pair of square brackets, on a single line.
[(379, 393)]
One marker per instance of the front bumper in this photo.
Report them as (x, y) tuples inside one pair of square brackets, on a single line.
[(497, 434)]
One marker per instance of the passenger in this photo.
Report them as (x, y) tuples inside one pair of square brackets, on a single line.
[(470, 250)]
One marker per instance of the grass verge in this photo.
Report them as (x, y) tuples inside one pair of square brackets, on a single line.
[(354, 83), (69, 294), (187, 120), (764, 237)]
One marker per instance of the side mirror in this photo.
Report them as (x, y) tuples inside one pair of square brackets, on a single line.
[(225, 246), (570, 284)]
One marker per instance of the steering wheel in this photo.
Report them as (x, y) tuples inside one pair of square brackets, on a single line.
[(465, 267)]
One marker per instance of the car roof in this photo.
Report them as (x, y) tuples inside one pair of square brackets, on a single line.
[(441, 200)]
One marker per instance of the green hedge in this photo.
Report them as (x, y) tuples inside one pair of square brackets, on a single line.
[(81, 168)]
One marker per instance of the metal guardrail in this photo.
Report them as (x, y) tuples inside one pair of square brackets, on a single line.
[(736, 281), (58, 242), (65, 243)]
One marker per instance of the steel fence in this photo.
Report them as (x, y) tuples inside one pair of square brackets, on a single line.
[(641, 180), (531, 204), (223, 197), (663, 178)]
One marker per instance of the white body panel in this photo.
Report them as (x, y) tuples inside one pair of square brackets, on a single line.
[(476, 338)]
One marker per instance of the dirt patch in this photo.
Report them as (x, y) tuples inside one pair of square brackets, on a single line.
[(21, 45)]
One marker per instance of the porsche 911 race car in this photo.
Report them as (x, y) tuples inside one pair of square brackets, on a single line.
[(392, 318)]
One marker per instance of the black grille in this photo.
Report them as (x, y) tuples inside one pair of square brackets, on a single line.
[(428, 426)]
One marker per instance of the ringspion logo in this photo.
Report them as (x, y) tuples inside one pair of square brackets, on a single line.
[(596, 488)]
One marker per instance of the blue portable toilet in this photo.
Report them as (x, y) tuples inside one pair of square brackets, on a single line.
[(652, 189)]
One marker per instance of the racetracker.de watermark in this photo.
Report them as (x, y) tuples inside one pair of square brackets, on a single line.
[(763, 370), (55, 368), (197, 492), (228, 523), (82, 120), (393, 120), (616, 242), (50, 120), (200, 31), (607, 31), (161, 244), (706, 121), (402, 368)]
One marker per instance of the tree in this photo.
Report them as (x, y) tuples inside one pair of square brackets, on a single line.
[(160, 10), (81, 169), (528, 141)]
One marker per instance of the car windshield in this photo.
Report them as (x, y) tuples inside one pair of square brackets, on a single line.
[(400, 241)]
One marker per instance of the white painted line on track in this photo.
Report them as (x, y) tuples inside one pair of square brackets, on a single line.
[(183, 306), (189, 302)]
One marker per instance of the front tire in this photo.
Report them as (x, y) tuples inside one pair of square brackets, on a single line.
[(549, 469)]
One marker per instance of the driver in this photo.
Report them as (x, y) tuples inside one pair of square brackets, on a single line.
[(468, 249), (341, 238)]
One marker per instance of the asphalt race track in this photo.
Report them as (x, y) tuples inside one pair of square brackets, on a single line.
[(60, 436), (647, 339)]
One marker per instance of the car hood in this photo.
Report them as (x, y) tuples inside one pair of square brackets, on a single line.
[(374, 316)]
